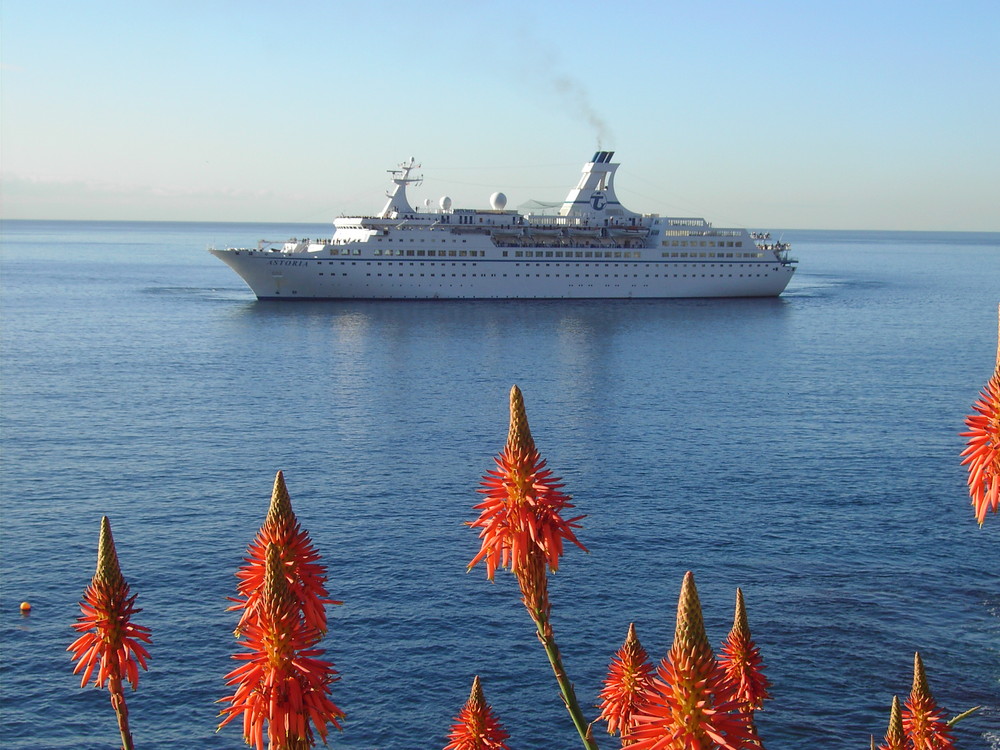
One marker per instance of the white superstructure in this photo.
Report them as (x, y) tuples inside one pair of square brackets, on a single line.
[(592, 248)]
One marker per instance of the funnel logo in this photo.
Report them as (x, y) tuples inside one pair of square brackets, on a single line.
[(598, 201)]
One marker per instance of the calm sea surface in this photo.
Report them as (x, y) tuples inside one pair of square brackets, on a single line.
[(803, 448)]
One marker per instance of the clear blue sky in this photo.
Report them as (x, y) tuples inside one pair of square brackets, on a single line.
[(866, 115)]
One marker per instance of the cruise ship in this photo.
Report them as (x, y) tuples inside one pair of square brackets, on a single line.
[(590, 246)]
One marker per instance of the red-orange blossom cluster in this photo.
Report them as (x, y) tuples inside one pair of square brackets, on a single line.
[(521, 517), (475, 727), (282, 687), (110, 642), (982, 452)]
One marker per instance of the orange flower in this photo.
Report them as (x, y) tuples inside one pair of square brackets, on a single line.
[(742, 663), (110, 641), (476, 728), (522, 510), (982, 453), (629, 679), (895, 739), (281, 684), (690, 705), (923, 723), (305, 575)]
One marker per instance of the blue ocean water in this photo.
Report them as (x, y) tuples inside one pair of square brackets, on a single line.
[(803, 448)]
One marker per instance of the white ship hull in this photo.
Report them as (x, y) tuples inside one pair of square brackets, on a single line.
[(594, 248), (273, 276)]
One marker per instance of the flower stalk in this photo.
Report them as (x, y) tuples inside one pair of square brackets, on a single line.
[(281, 689), (110, 642), (522, 528)]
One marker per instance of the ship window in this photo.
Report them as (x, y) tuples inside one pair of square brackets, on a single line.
[(548, 254), (518, 254), (419, 252), (739, 244), (452, 253), (409, 252)]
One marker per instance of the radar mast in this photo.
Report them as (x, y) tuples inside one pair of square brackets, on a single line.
[(398, 204)]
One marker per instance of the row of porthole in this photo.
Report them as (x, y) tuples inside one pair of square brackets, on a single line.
[(577, 276), (407, 264)]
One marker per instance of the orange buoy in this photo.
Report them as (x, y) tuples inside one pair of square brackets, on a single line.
[(25, 607)]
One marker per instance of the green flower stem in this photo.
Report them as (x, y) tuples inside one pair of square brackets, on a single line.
[(121, 711), (565, 686)]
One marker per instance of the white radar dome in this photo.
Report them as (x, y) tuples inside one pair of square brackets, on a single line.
[(445, 202), (498, 201), (427, 202)]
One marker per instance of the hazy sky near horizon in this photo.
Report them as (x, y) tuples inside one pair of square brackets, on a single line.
[(836, 115)]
